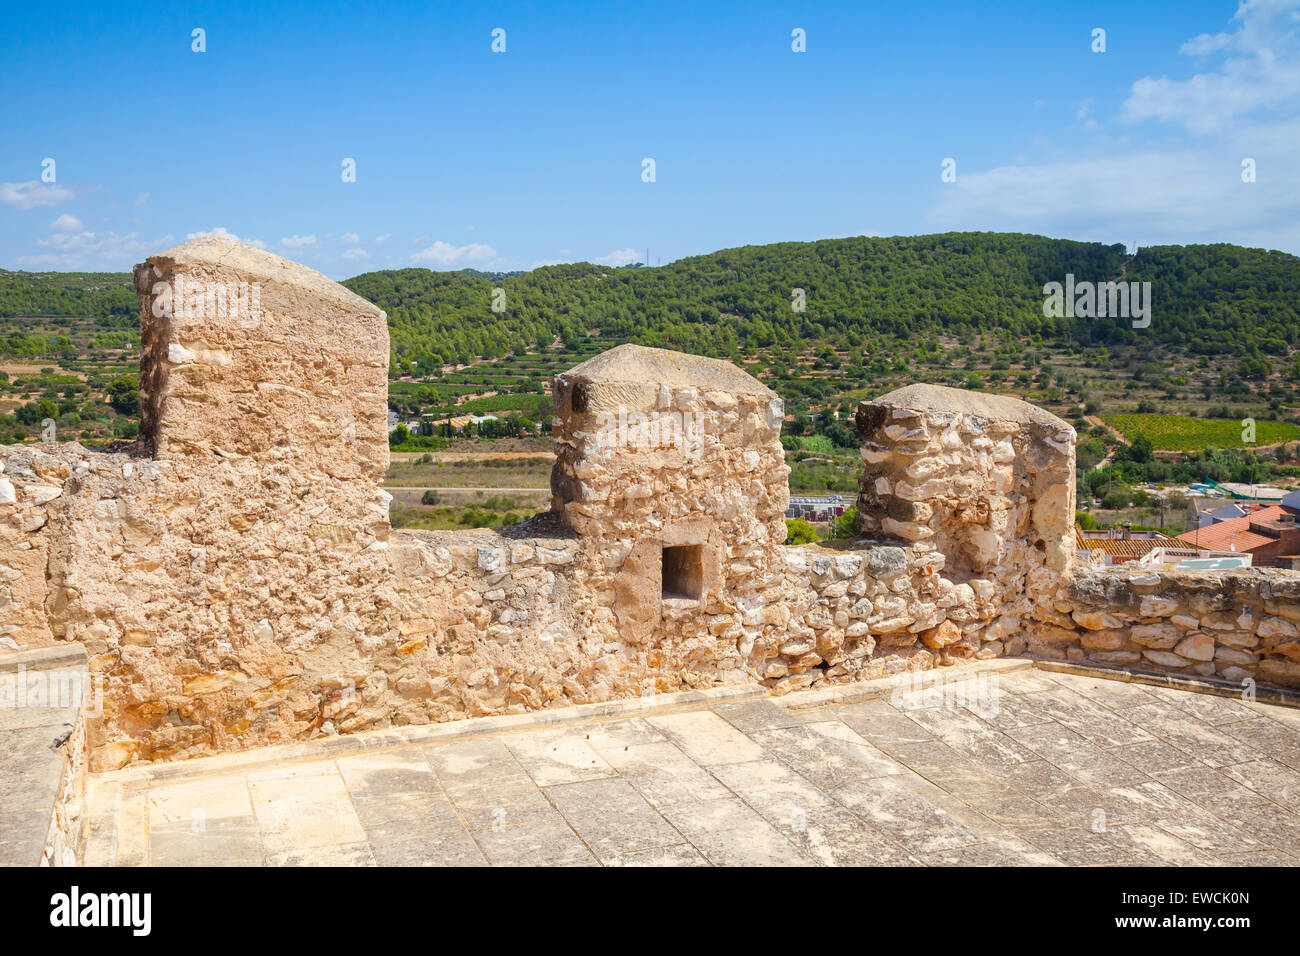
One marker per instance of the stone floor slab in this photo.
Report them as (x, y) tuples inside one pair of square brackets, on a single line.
[(1066, 770), (748, 716), (727, 832), (903, 815), (683, 854), (332, 855), (219, 841), (611, 818), (821, 828), (22, 836), (664, 775), (1078, 846), (194, 803), (1274, 780), (557, 757), (706, 738), (552, 843), (302, 811)]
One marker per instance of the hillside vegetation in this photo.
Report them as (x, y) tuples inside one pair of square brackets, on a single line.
[(959, 309), (1212, 300), (72, 294)]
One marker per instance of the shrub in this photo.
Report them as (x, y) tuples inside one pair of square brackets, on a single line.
[(846, 525), (817, 443), (799, 531), (1115, 500)]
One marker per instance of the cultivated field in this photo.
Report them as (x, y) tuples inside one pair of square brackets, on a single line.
[(1180, 433)]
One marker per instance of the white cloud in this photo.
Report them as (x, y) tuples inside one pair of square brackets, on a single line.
[(355, 253), (445, 254), (224, 233), (1265, 74), (384, 238), (619, 257), (1176, 192), (298, 242), (67, 223), (350, 237), (31, 194), (82, 250), (1172, 196), (1205, 44), (142, 201)]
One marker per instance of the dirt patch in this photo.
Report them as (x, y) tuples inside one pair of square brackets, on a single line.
[(468, 456), (24, 369)]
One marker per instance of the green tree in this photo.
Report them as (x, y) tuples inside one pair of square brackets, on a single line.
[(123, 394), (1115, 500), (799, 531)]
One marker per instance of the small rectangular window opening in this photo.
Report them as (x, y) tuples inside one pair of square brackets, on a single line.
[(683, 571)]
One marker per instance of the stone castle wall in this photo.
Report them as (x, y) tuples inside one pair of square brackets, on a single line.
[(236, 547), (1230, 625), (235, 582)]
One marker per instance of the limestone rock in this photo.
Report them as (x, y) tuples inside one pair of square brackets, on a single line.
[(942, 636), (1198, 647)]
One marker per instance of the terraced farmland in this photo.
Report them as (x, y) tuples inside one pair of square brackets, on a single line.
[(1182, 433)]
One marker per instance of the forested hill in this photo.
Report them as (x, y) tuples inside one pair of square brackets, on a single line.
[(1218, 300), (1214, 299), (79, 294)]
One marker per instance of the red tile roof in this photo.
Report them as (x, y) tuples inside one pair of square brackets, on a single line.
[(1235, 534), (1123, 547)]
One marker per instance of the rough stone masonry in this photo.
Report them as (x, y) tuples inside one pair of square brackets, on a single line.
[(235, 581)]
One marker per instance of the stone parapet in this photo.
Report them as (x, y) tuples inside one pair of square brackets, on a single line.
[(1236, 626), (235, 582)]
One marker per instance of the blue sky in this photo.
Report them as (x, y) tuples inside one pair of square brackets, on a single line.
[(470, 158)]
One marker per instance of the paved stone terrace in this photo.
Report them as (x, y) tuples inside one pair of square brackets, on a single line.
[(31, 763), (1069, 770)]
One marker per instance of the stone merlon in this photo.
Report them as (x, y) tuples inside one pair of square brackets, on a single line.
[(246, 353)]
